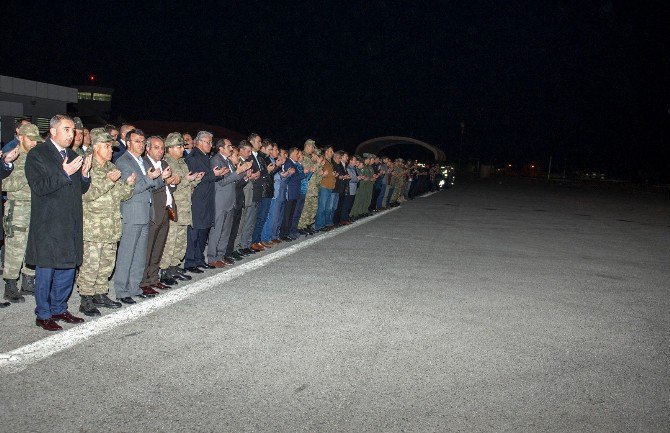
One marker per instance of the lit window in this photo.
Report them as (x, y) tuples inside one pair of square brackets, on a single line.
[(102, 97), (84, 96)]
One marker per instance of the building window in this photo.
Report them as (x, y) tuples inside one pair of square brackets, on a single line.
[(84, 96), (102, 97)]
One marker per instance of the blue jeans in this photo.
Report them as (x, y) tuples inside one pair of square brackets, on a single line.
[(261, 217), (334, 199), (266, 234), (52, 290), (380, 198), (322, 207)]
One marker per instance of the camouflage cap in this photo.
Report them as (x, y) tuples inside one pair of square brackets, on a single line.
[(31, 131), (368, 155), (174, 139), (77, 123), (310, 141), (99, 135)]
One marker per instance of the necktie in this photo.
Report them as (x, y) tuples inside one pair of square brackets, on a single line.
[(141, 164), (63, 154)]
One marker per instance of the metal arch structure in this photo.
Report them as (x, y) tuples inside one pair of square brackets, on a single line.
[(376, 145)]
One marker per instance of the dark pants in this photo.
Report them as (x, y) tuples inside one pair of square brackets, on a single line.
[(196, 239), (158, 232), (337, 214), (376, 190), (52, 290), (347, 204), (237, 216), (261, 216), (299, 204), (289, 209)]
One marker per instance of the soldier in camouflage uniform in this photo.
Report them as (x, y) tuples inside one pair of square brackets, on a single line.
[(306, 220), (175, 246), (364, 192), (102, 225), (17, 218), (398, 182), (85, 148)]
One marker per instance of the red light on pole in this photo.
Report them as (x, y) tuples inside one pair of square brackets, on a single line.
[(91, 77)]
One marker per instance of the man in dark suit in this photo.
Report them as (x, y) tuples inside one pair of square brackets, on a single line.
[(57, 177), (265, 185), (121, 146), (292, 192), (159, 222), (202, 202), (238, 207), (224, 202)]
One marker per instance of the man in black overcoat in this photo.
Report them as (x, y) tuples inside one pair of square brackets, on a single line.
[(57, 177)]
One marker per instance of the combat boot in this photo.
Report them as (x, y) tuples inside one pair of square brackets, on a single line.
[(87, 306), (28, 284), (12, 292)]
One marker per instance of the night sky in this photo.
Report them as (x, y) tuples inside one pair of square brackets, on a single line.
[(586, 82)]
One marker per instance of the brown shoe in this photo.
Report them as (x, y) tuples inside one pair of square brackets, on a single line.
[(267, 244), (48, 324), (257, 247), (277, 241), (148, 291), (217, 264), (67, 317)]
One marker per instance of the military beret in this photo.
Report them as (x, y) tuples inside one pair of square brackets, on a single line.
[(77, 123), (99, 135), (174, 139), (31, 131)]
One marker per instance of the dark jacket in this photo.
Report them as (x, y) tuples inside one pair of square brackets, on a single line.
[(56, 238), (340, 184), (263, 183), (293, 181), (202, 199), (119, 149)]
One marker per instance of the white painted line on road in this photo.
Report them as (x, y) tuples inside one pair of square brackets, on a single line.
[(428, 194), (18, 359)]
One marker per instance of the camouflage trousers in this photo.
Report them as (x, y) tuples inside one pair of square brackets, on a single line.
[(397, 192), (15, 252), (96, 268), (308, 212), (175, 246)]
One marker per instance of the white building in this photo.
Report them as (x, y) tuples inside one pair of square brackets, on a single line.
[(38, 101)]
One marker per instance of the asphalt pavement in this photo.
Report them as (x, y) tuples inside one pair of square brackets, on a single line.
[(498, 305)]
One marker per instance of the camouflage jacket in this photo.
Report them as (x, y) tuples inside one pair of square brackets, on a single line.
[(181, 193), (398, 177), (18, 193), (102, 204), (314, 181), (368, 172)]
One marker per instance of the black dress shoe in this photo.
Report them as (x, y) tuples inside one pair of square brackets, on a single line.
[(236, 256), (182, 277), (127, 300), (242, 253), (206, 266), (143, 296), (249, 251), (195, 270), (229, 261), (5, 304)]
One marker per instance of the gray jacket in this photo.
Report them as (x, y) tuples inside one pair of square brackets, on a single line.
[(224, 189), (137, 209)]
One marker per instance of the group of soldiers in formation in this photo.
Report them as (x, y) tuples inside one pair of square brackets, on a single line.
[(156, 210)]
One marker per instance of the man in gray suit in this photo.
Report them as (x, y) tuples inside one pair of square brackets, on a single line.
[(136, 211), (248, 219), (224, 202)]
